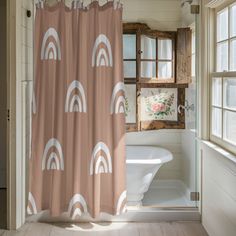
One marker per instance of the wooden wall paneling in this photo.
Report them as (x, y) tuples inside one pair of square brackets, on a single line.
[(174, 58), (138, 77), (134, 27), (183, 51)]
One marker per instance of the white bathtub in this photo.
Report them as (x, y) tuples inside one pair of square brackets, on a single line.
[(143, 162)]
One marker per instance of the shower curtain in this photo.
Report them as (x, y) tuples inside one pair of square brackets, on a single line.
[(77, 163)]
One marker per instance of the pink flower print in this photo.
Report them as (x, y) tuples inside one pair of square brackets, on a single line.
[(157, 107)]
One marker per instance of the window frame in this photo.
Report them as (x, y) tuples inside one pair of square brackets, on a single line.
[(140, 29), (131, 80), (221, 141), (162, 36), (133, 31)]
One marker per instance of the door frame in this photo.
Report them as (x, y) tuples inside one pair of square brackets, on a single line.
[(15, 160)]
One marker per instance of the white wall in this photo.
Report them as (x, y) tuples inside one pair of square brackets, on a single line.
[(186, 17), (158, 14), (3, 95), (218, 192)]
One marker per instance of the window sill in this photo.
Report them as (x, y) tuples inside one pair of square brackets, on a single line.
[(220, 151)]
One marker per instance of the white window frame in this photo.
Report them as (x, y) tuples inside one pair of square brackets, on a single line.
[(223, 75)]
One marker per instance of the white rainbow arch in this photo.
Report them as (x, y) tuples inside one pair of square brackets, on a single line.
[(102, 164), (118, 105), (51, 51), (54, 161), (77, 198), (120, 203), (102, 58), (31, 208), (75, 104)]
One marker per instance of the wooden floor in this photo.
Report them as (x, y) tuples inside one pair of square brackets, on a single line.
[(101, 229), (110, 229)]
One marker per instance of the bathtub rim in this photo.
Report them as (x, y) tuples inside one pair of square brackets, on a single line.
[(156, 160)]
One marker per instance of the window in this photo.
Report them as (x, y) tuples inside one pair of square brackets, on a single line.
[(153, 91), (223, 80), (157, 58), (130, 74)]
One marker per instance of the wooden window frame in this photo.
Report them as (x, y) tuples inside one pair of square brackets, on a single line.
[(133, 29), (158, 35), (142, 29)]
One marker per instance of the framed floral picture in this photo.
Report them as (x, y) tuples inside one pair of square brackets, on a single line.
[(159, 104), (130, 103)]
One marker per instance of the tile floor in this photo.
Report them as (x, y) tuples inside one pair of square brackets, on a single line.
[(165, 197), (110, 229)]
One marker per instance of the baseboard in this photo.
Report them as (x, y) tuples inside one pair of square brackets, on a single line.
[(141, 215)]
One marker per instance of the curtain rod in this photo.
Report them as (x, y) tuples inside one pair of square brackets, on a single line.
[(72, 0), (41, 3)]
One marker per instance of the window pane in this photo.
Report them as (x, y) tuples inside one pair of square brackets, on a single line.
[(129, 69), (129, 46), (222, 56), (230, 93), (216, 121), (233, 55), (164, 70), (217, 92), (230, 126), (164, 49), (148, 47), (233, 21), (222, 25), (148, 69)]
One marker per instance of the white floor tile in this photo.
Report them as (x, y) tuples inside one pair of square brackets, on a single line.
[(164, 197)]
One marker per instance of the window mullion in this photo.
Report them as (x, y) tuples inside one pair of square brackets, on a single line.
[(222, 108), (157, 57), (229, 61)]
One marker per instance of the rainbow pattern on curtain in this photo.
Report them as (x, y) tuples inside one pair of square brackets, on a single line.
[(77, 163)]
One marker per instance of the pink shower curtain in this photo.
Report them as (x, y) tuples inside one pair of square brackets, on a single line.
[(77, 164)]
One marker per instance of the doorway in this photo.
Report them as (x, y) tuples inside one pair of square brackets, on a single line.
[(3, 116)]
